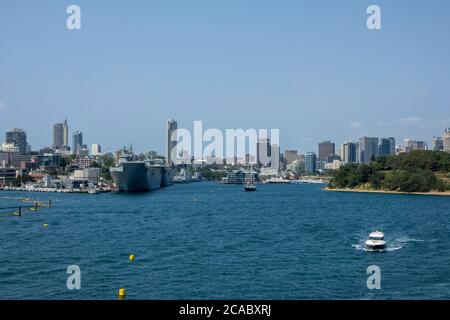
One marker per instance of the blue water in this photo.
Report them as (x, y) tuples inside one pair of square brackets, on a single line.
[(213, 241)]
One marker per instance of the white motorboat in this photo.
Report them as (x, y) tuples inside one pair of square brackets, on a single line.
[(376, 241)]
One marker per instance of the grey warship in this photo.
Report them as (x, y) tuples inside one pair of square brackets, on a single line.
[(131, 175)]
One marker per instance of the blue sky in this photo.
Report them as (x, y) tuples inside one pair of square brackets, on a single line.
[(310, 68)]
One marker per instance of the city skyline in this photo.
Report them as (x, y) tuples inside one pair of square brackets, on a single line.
[(365, 147), (60, 141), (315, 67)]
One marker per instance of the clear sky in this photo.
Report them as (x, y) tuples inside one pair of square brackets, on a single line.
[(310, 68)]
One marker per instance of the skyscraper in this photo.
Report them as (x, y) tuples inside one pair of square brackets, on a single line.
[(77, 141), (385, 147), (275, 157), (349, 152), (368, 148), (326, 148), (263, 152), (18, 138), (310, 162), (171, 139), (447, 140), (61, 136), (392, 141)]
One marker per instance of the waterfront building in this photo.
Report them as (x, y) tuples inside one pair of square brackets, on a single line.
[(77, 141), (8, 174), (18, 138), (61, 136), (234, 177), (310, 162), (89, 174), (437, 144), (447, 140), (171, 139), (368, 148), (326, 148)]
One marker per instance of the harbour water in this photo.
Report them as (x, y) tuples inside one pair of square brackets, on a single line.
[(214, 241)]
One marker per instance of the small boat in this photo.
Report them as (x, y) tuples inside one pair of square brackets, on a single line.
[(376, 241), (250, 187), (250, 181), (93, 191)]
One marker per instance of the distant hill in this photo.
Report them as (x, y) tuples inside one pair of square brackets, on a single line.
[(417, 171)]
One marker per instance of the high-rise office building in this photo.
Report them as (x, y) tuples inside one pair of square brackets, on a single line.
[(275, 157), (171, 139), (349, 152), (385, 147), (18, 138), (290, 156), (447, 140), (61, 136), (326, 148), (368, 148), (310, 162), (392, 141), (77, 141), (437, 144), (263, 152)]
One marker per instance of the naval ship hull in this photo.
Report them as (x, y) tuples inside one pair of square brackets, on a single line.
[(167, 175), (136, 176)]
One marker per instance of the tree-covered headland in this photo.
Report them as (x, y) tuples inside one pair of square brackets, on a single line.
[(417, 171)]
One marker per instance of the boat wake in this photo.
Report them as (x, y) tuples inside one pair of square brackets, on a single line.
[(388, 248), (407, 239), (392, 245)]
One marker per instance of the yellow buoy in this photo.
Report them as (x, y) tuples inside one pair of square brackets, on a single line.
[(131, 257), (45, 225), (122, 293)]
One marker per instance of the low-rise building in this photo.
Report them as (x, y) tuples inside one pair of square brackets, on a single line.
[(89, 174)]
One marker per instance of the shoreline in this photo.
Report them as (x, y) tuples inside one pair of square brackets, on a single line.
[(431, 193)]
